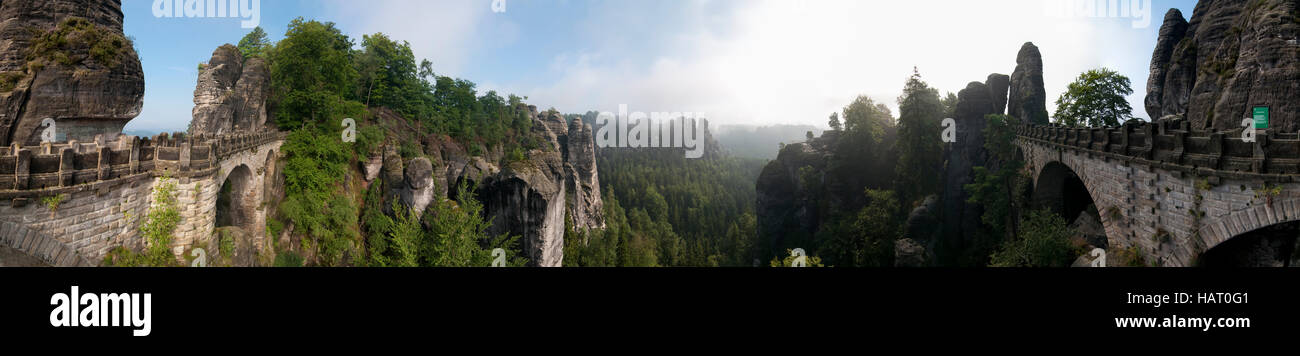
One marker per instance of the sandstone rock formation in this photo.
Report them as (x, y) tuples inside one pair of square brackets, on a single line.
[(786, 208), (582, 178), (999, 84), (48, 70), (1231, 56), (1170, 33), (920, 233), (1028, 98), (419, 189), (529, 198), (231, 93), (962, 219)]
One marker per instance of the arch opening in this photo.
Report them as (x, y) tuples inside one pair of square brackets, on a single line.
[(235, 200), (1060, 190), (1270, 246)]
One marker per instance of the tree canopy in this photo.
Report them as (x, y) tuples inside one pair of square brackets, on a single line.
[(1097, 98)]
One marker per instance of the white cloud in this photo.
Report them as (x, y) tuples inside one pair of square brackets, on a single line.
[(776, 61), (442, 31)]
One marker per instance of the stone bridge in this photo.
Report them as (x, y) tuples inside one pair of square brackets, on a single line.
[(68, 204), (1174, 196)]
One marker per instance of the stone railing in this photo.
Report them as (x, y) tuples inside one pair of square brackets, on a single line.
[(74, 163), (1170, 144)]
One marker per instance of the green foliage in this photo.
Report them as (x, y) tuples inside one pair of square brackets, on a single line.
[(866, 119), (314, 170), (1043, 241), (664, 210), (451, 234), (369, 139), (312, 75), (226, 244), (52, 202), (950, 105), (288, 259), (254, 44), (868, 239), (74, 41), (999, 189), (920, 150), (457, 235), (834, 122), (389, 77), (160, 222), (1096, 98)]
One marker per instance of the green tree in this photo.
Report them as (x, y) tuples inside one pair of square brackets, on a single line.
[(950, 105), (835, 122), (389, 76), (1042, 242), (920, 150), (1096, 98), (457, 236), (312, 74), (254, 44)]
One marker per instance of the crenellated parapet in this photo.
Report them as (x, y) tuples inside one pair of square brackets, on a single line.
[(69, 164), (1171, 144)]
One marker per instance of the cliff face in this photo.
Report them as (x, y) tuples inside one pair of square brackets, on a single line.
[(66, 60), (231, 94), (1233, 55), (529, 198)]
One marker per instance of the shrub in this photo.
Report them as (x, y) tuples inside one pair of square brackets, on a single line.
[(1043, 241)]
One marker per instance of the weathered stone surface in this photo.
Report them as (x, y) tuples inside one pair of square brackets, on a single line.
[(1089, 230), (582, 177), (1138, 204), (784, 207), (962, 219), (909, 253), (1171, 32), (527, 199), (923, 222), (85, 94), (1233, 55), (999, 84), (1028, 98), (419, 189), (231, 93)]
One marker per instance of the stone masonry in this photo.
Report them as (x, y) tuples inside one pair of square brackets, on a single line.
[(1170, 193)]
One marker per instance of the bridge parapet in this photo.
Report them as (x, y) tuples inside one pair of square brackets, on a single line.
[(1274, 156), (51, 166)]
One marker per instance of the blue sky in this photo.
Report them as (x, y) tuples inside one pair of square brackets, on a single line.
[(738, 62)]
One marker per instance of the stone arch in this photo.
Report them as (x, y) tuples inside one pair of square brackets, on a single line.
[(1245, 238), (237, 199), (1269, 246), (1060, 189), (1062, 183), (40, 246)]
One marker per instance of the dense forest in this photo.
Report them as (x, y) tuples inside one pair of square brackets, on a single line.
[(666, 210)]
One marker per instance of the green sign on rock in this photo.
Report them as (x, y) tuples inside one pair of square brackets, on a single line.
[(1260, 113)]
